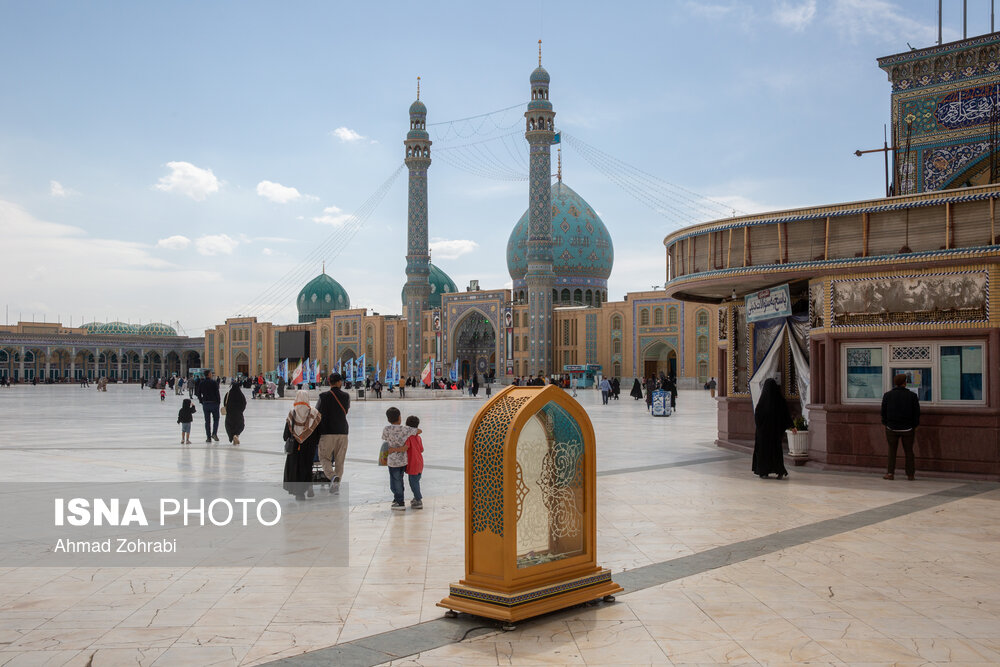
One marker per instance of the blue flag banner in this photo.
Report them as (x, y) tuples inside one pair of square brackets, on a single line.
[(359, 370)]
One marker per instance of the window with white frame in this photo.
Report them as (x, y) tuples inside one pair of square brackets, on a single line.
[(938, 372)]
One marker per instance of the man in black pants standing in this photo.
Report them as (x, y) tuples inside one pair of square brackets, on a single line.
[(901, 417), (333, 406), (208, 395)]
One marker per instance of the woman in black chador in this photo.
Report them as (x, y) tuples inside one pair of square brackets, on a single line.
[(301, 428), (772, 418), (636, 392), (235, 404)]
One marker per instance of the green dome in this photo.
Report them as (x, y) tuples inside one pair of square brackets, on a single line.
[(321, 295), (91, 327), (118, 329), (418, 109), (582, 252), (157, 329), (440, 284), (540, 75)]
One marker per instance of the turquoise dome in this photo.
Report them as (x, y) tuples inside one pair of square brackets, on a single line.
[(440, 284), (118, 329), (321, 295), (157, 329), (91, 327), (582, 252), (540, 75), (418, 108)]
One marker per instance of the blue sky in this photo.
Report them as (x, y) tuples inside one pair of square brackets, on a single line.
[(171, 161)]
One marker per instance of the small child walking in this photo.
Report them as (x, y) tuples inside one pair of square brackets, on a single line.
[(163, 394), (395, 434), (184, 417), (415, 462)]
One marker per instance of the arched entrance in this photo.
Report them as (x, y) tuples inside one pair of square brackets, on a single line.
[(474, 342), (659, 357), (242, 364)]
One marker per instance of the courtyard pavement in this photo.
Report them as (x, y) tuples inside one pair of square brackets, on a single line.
[(719, 567)]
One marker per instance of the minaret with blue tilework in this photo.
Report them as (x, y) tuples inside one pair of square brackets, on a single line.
[(417, 290), (540, 278)]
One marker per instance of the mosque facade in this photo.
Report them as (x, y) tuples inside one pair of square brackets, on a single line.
[(555, 320)]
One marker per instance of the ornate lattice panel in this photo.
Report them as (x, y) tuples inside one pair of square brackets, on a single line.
[(487, 464), (910, 353), (550, 484)]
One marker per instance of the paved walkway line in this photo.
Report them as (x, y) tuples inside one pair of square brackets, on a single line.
[(429, 635)]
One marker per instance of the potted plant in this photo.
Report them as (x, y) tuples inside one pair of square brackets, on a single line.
[(798, 437)]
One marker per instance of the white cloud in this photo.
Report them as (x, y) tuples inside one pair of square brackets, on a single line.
[(332, 215), (215, 244), (347, 135), (56, 189), (175, 242), (881, 20), (278, 193), (267, 251), (70, 271), (795, 15), (186, 179), (451, 249), (716, 10)]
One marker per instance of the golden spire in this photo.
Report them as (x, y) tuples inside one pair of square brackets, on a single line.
[(539, 53), (559, 158), (418, 87)]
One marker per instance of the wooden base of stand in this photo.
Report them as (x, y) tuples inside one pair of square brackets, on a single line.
[(534, 602)]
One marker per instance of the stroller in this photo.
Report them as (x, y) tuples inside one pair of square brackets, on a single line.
[(272, 390)]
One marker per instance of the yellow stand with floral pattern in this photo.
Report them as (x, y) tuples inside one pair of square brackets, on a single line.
[(530, 508)]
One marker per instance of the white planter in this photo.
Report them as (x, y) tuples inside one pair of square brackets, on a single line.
[(798, 443)]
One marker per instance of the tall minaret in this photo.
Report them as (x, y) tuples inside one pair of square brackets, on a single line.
[(417, 290), (540, 279)]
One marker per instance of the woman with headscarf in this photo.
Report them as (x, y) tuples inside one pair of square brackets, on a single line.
[(301, 428), (651, 386), (771, 418), (636, 392), (671, 386), (235, 403)]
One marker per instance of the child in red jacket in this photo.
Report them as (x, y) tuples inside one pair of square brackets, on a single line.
[(415, 463)]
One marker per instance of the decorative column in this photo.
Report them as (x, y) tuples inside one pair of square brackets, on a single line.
[(163, 364), (540, 278), (20, 377), (142, 363), (184, 365), (417, 290), (119, 364), (48, 361), (72, 363)]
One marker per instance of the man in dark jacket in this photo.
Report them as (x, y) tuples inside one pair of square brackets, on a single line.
[(901, 417), (208, 395), (333, 406)]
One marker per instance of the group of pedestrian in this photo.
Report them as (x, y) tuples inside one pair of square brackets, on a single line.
[(900, 417), (651, 384), (609, 389), (321, 431)]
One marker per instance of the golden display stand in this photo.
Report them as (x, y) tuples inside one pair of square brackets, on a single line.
[(530, 508)]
